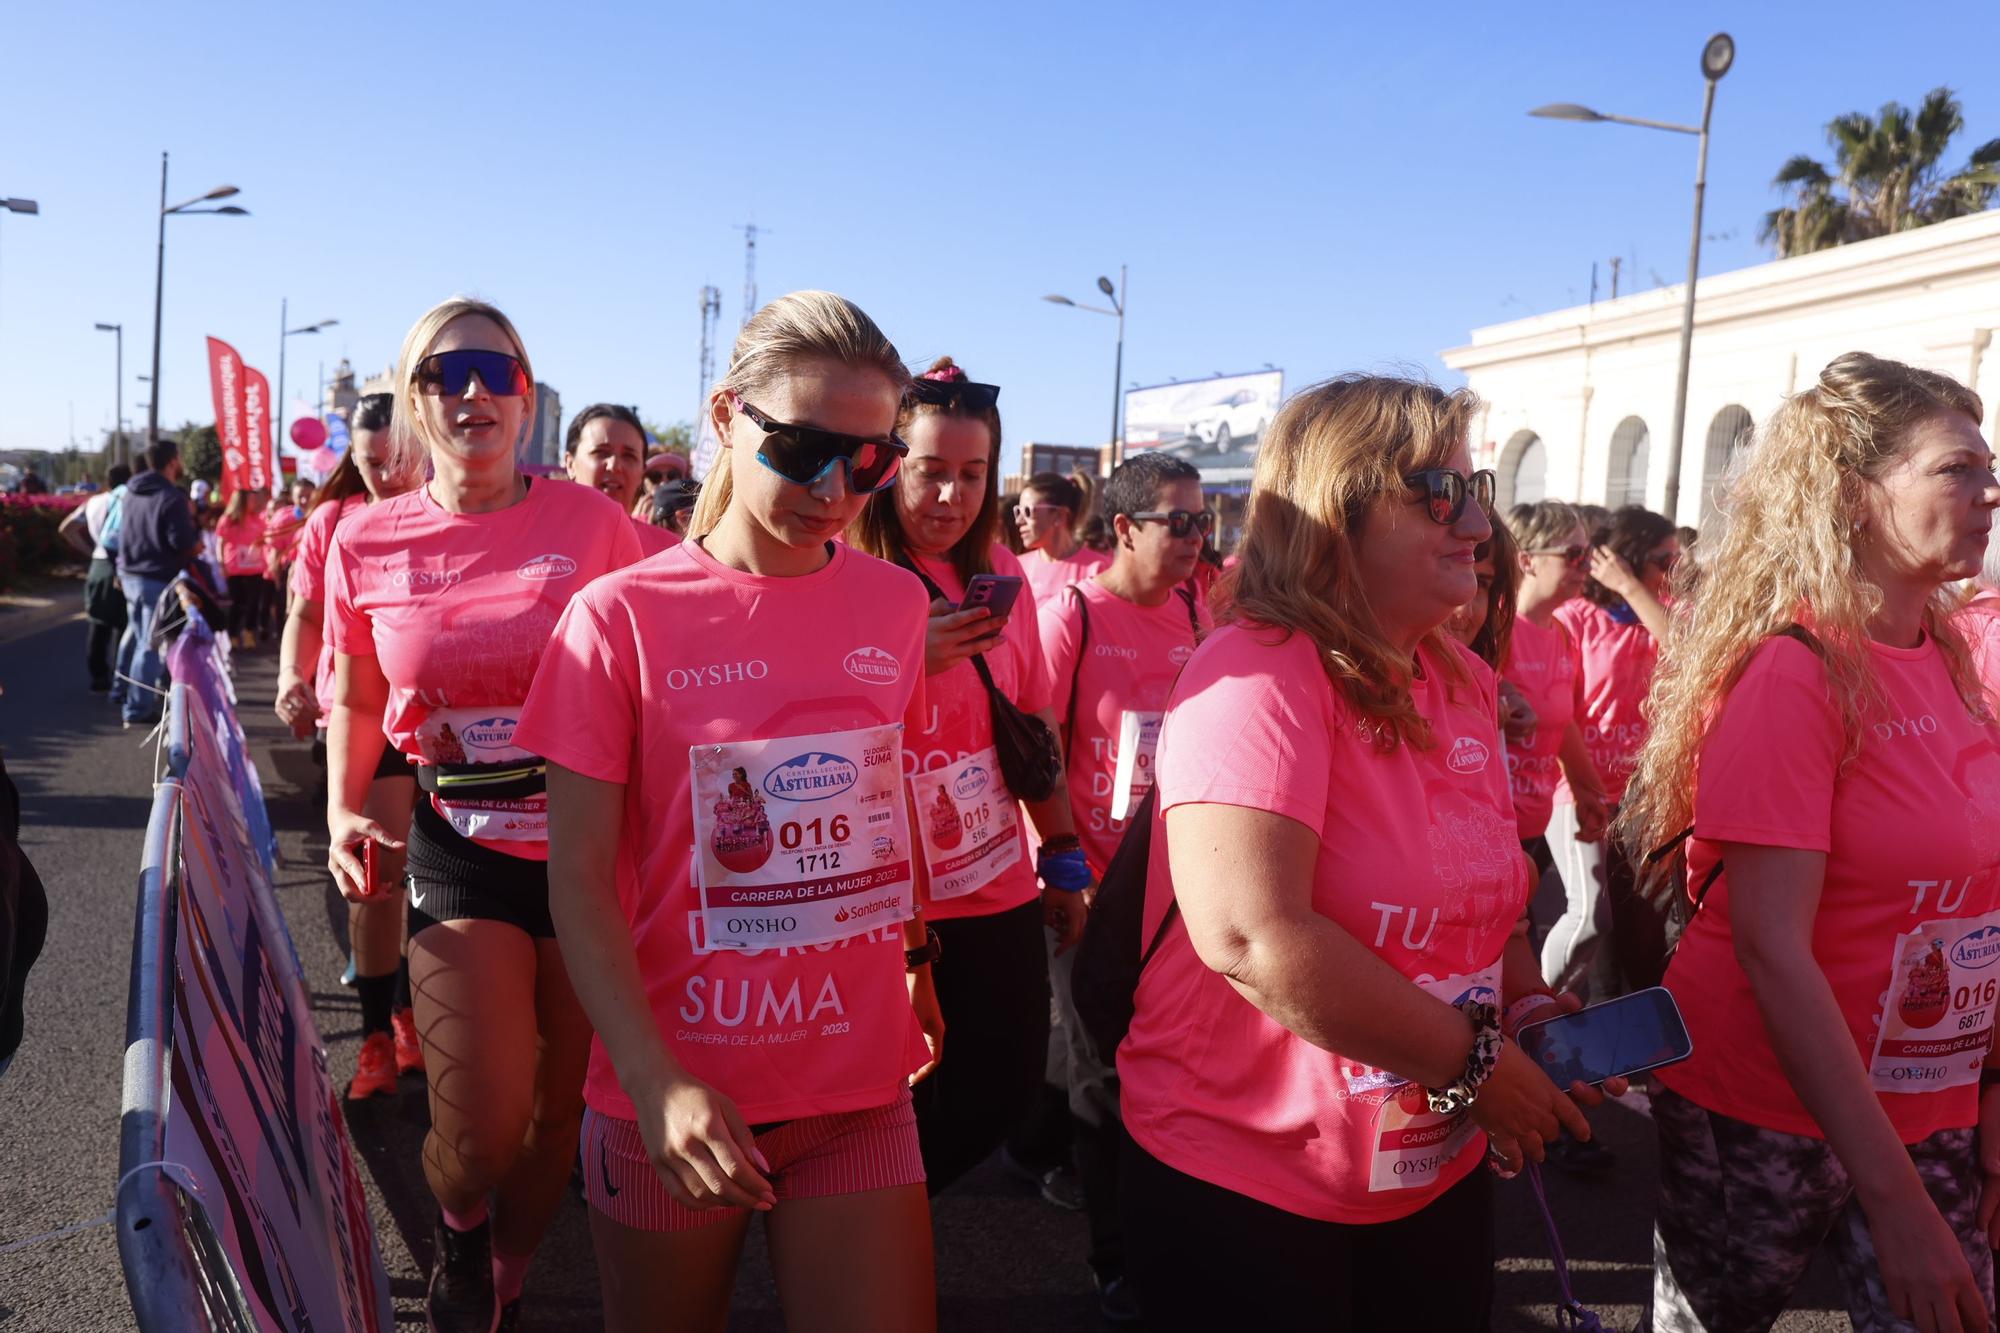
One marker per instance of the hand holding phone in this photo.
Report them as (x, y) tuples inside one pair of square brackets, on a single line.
[(1628, 1035), (997, 593)]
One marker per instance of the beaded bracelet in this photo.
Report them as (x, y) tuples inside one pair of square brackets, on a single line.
[(1479, 1061)]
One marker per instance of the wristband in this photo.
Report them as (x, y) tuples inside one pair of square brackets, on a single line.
[(928, 952), (1518, 1011), (1479, 1061), (1065, 870)]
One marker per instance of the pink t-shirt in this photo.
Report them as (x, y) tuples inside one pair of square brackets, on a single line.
[(653, 538), (1908, 926), (1128, 663), (681, 651), (1046, 577), (309, 584), (281, 535), (959, 723), (241, 540), (1542, 665), (1978, 621), (1616, 663), (457, 608), (1418, 860)]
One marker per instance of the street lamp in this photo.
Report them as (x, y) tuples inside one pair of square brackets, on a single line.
[(1716, 58), (160, 273), (1117, 298), (27, 206), (122, 453), (284, 318)]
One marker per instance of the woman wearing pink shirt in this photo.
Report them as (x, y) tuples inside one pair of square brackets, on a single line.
[(1820, 731), (441, 603), (1617, 626), (980, 890), (375, 931), (240, 531), (1316, 1060), (742, 698), (605, 448), (1046, 518)]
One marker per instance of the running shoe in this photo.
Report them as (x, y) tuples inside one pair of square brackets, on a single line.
[(460, 1299), (409, 1049), (347, 977), (375, 1070), (1116, 1303)]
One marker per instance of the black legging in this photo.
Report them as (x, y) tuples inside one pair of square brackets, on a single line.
[(246, 601), (993, 986)]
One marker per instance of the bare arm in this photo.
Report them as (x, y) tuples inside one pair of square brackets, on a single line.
[(76, 532), (354, 744), (304, 637), (1774, 894)]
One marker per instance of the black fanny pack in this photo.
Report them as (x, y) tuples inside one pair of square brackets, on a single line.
[(511, 781)]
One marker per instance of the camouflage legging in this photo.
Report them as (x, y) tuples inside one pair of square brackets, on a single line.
[(1743, 1209)]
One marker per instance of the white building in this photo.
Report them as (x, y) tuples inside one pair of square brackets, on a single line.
[(1580, 402)]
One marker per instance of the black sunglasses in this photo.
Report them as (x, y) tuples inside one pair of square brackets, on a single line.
[(804, 454), (1180, 521), (451, 373), (1572, 556), (1445, 492), (955, 395)]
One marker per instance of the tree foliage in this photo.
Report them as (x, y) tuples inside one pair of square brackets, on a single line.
[(678, 437), (1887, 176), (201, 452)]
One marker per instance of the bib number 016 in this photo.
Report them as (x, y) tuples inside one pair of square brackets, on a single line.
[(792, 834)]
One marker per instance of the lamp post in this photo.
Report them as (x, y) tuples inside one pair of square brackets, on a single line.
[(28, 206), (122, 454), (1716, 58), (160, 275), (285, 335), (1117, 298)]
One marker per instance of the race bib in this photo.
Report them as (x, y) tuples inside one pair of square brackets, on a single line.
[(1413, 1144), (968, 822), (483, 736), (801, 840), (1138, 742), (1937, 1018)]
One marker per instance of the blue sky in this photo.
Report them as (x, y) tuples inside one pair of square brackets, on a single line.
[(1322, 187)]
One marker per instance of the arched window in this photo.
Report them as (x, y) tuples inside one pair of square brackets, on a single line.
[(1729, 431), (1631, 448), (1523, 470)]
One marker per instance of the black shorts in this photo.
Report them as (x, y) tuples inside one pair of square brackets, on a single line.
[(395, 764), (452, 878)]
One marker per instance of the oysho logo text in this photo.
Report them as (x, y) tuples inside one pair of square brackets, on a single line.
[(425, 578), (716, 673), (1116, 650), (1895, 728)]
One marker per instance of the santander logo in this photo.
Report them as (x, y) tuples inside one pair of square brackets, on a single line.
[(873, 666), (1467, 756), (542, 568)]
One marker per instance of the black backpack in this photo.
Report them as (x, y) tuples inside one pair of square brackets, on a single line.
[(1105, 975)]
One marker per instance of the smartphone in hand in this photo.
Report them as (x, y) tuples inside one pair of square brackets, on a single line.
[(997, 593), (1617, 1038)]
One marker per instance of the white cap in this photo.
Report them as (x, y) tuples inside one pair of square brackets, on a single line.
[(199, 491)]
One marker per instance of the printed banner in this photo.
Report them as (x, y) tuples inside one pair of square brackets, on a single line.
[(225, 385), (801, 839), (268, 1224), (257, 428)]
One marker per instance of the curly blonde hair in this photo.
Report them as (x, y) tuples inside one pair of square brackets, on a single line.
[(1784, 554), (1331, 451)]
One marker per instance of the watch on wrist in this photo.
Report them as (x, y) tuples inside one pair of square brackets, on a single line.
[(928, 952)]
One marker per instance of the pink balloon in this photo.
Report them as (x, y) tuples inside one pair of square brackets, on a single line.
[(308, 433), (323, 461)]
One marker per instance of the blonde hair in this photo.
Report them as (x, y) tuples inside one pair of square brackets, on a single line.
[(1328, 455), (1784, 553), (409, 448), (1544, 524), (798, 326)]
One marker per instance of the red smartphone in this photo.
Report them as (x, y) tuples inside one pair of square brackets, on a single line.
[(370, 869), (996, 592)]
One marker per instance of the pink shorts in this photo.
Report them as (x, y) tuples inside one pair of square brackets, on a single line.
[(811, 1157)]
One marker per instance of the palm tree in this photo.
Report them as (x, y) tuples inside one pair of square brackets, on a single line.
[(1886, 178)]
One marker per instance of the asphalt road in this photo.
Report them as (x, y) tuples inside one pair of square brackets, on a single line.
[(1006, 1261)]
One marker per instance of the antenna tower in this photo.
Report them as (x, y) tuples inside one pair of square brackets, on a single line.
[(711, 318), (749, 231)]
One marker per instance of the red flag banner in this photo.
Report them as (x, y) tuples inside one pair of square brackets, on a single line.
[(257, 429), (225, 382)]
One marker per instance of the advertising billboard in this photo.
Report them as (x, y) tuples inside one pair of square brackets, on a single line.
[(1213, 423)]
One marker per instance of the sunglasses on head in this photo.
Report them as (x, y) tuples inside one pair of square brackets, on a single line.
[(450, 373), (1180, 522), (1571, 555), (954, 395), (1663, 560), (804, 454), (1446, 491)]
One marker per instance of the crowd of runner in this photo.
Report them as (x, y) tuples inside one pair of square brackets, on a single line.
[(639, 792)]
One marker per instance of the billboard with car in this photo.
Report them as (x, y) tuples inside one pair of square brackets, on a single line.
[(1214, 423)]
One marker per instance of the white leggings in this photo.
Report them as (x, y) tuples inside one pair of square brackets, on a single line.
[(1571, 945)]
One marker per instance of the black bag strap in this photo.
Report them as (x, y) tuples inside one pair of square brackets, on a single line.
[(1143, 818), (1076, 669), (937, 595)]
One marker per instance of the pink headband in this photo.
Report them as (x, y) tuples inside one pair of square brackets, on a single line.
[(946, 374)]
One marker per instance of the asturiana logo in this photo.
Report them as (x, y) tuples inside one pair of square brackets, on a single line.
[(1467, 756), (542, 568), (1180, 653), (811, 777), (1979, 949), (971, 782), (489, 733), (872, 666)]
